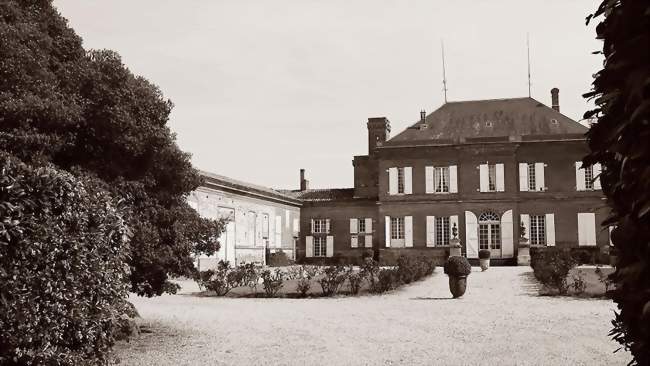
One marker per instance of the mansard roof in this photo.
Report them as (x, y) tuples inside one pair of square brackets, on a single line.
[(456, 122)]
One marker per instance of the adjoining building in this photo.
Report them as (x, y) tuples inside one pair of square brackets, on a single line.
[(261, 220), (480, 169)]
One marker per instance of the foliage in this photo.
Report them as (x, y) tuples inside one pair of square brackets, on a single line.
[(333, 279), (387, 279), (484, 254), (457, 266), (355, 279), (304, 282), (619, 141), (579, 285), (223, 278), (272, 281), (604, 279), (413, 268), (63, 245), (370, 270), (279, 259), (551, 268), (86, 113), (250, 275)]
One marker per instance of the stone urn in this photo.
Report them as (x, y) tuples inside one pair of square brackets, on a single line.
[(484, 259), (455, 249), (457, 268)]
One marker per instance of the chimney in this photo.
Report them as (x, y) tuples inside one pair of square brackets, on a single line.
[(378, 132), (304, 183), (555, 99), (423, 115)]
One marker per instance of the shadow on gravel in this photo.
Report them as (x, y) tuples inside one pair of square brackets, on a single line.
[(431, 298)]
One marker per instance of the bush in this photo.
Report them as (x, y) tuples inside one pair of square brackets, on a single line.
[(304, 282), (551, 267), (333, 280), (279, 259), (63, 246), (272, 282), (370, 270), (406, 269), (224, 278), (457, 266), (250, 275), (354, 282), (484, 254), (387, 279)]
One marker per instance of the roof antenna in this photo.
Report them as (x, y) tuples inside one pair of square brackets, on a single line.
[(444, 74), (528, 54)]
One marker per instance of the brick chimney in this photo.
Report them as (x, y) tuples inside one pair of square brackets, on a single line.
[(378, 132), (304, 183), (555, 99)]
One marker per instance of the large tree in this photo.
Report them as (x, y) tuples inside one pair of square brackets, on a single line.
[(620, 141), (86, 112)]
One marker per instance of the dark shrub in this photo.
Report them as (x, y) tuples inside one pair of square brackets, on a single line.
[(370, 270), (406, 269), (387, 279), (551, 267), (272, 282), (224, 278), (250, 275), (354, 280), (62, 267), (367, 253), (457, 266), (279, 259), (304, 282), (484, 254), (333, 279)]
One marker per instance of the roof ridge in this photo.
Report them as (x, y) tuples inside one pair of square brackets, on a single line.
[(489, 100)]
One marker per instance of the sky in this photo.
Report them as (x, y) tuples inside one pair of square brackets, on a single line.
[(264, 88)]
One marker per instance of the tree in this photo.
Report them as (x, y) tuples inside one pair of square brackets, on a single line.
[(87, 113), (619, 141)]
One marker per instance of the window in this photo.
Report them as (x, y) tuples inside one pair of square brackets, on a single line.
[(265, 226), (400, 180), (320, 226), (442, 179), (397, 228), (320, 246), (538, 229), (442, 230), (531, 177), (589, 177), (250, 232), (492, 177), (362, 225)]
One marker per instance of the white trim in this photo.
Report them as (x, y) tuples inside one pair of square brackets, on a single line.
[(408, 180), (387, 224), (500, 176), (428, 173), (550, 230), (431, 231), (471, 234), (580, 177), (408, 231), (586, 229), (523, 177), (392, 181), (329, 251), (368, 241), (539, 177), (453, 179), (484, 178), (354, 226), (309, 246)]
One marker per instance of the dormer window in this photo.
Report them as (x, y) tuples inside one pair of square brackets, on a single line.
[(553, 121), (488, 123), (423, 126)]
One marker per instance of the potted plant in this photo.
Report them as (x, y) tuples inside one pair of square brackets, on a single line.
[(484, 258), (457, 268)]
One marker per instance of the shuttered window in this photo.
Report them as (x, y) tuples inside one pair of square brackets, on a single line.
[(492, 177), (362, 225), (397, 228), (400, 180), (589, 177), (442, 230), (442, 179), (531, 177), (320, 246), (538, 229), (320, 226)]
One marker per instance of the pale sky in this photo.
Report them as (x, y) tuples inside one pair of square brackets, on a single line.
[(264, 88)]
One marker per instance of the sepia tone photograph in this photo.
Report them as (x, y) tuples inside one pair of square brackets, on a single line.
[(216, 182)]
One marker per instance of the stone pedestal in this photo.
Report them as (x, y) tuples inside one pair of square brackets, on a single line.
[(455, 249), (523, 253)]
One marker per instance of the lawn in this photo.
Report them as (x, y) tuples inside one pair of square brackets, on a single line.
[(500, 320)]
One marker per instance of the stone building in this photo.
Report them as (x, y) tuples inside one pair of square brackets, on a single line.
[(476, 168), (261, 220)]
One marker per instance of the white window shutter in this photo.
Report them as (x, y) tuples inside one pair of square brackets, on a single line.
[(368, 239), (523, 177), (309, 246), (580, 177), (330, 246), (387, 231), (550, 230), (327, 226), (587, 229), (354, 226), (453, 179), (354, 241), (453, 219), (368, 225), (484, 180), (525, 219), (500, 173), (507, 237), (408, 180), (539, 176), (610, 228), (431, 231), (392, 181), (428, 173), (312, 226), (408, 231), (597, 169), (471, 234)]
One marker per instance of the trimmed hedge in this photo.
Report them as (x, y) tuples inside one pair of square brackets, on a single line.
[(484, 254), (62, 271), (457, 266)]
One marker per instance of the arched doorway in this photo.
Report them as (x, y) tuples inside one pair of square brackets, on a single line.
[(489, 233)]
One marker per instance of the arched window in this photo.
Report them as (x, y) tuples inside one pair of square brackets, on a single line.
[(489, 232), (488, 216)]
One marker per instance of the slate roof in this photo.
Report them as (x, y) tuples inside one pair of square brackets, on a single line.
[(494, 118), (330, 194)]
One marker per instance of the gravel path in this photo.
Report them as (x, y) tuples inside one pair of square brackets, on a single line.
[(500, 321)]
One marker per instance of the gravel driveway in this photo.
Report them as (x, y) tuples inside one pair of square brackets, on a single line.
[(500, 321)]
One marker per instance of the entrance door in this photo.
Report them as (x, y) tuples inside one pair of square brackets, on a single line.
[(489, 233)]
